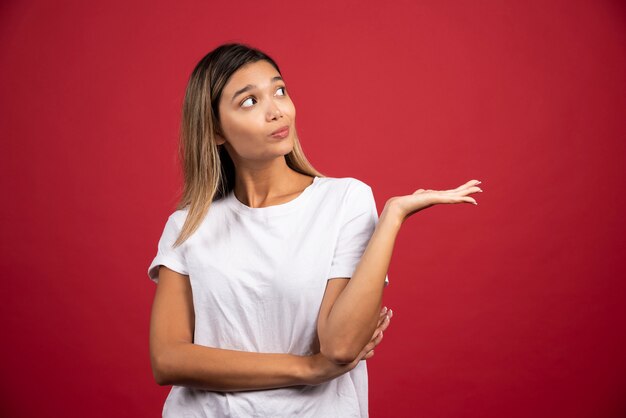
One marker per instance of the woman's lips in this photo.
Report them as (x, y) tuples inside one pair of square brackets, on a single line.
[(281, 133)]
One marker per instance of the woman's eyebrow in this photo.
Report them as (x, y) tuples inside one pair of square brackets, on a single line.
[(250, 87)]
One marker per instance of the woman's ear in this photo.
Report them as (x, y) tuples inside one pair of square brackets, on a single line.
[(219, 139)]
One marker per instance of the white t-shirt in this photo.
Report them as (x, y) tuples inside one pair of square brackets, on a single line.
[(258, 277)]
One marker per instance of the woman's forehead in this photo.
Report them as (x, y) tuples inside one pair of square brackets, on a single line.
[(252, 73)]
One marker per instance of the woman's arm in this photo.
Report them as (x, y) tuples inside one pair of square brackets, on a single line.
[(357, 301), (352, 318), (192, 365), (177, 361)]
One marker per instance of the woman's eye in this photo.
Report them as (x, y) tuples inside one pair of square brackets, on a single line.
[(252, 98), (249, 98)]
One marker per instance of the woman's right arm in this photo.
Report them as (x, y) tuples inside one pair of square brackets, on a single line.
[(176, 360)]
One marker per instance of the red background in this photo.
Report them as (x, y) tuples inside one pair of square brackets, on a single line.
[(512, 308)]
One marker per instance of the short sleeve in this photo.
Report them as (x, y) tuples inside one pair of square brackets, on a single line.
[(358, 224), (168, 256)]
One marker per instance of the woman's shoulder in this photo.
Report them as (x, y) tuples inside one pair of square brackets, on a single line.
[(179, 216), (344, 185)]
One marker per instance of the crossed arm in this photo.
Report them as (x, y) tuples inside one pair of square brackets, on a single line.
[(349, 315)]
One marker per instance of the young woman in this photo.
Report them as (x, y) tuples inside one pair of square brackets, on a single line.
[(270, 275)]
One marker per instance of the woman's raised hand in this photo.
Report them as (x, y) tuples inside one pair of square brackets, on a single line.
[(323, 369), (406, 206)]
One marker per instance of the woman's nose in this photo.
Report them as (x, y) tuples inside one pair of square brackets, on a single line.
[(275, 112)]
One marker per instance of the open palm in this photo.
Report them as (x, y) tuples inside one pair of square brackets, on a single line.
[(425, 198)]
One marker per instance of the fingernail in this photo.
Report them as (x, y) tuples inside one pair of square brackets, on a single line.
[(385, 309), (390, 313), (479, 182)]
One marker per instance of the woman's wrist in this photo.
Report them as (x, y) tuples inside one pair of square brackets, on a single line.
[(307, 370), (315, 369), (391, 216)]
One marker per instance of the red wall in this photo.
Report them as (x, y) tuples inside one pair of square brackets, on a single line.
[(512, 308)]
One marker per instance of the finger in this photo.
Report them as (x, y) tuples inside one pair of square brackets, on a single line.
[(367, 355), (382, 313), (458, 197), (377, 340), (363, 354), (464, 190), (381, 316), (461, 188), (368, 347), (385, 323), (473, 189), (378, 337), (381, 329), (382, 325), (468, 184)]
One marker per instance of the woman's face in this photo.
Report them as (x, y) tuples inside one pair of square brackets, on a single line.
[(255, 103)]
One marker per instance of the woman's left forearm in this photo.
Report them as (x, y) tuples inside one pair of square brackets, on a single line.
[(354, 315)]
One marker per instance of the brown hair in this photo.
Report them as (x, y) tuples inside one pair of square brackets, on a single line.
[(208, 171)]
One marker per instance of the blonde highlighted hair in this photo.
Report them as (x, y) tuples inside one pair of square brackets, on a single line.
[(208, 170)]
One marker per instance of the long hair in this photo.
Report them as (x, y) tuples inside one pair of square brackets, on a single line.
[(208, 170)]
